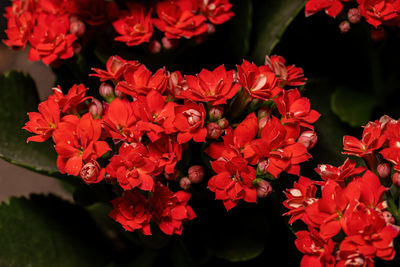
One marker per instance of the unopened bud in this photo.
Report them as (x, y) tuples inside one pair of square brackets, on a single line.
[(77, 48), (154, 47), (263, 121), (383, 170), (263, 188), (377, 34), (389, 219), (354, 15), (107, 92), (211, 28), (223, 123), (262, 167), (263, 112), (96, 108), (216, 113), (184, 183), (92, 173), (344, 26), (396, 179), (196, 174), (213, 130), (77, 28), (169, 43), (308, 139)]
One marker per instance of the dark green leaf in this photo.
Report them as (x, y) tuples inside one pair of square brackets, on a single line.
[(352, 107), (271, 20), (47, 231)]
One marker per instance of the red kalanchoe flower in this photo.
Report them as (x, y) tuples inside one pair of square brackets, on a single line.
[(19, 27), (216, 11), (69, 103), (170, 209), (176, 84), (132, 212), (258, 82), (233, 182), (392, 152), (133, 167), (92, 173), (289, 75), (331, 7), (377, 12), (50, 39), (339, 174), (77, 143), (44, 122), (176, 19), (135, 27), (214, 87), (115, 68)]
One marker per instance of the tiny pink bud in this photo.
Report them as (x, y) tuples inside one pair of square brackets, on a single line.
[(77, 48), (262, 167), (92, 173), (263, 188), (396, 179), (389, 219), (211, 28), (216, 113), (184, 183), (107, 92), (354, 15), (263, 121), (96, 108), (344, 26), (377, 34), (223, 123), (154, 47), (213, 130), (383, 170), (263, 112), (196, 174), (308, 139), (77, 28), (169, 43)]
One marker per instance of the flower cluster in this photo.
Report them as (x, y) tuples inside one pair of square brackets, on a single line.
[(136, 138), (351, 223), (376, 12), (57, 29)]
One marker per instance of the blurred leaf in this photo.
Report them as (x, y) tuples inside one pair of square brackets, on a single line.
[(48, 231), (271, 20), (19, 96), (352, 107)]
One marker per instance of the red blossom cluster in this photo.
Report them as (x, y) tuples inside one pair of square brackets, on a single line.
[(57, 29), (376, 12), (136, 138), (350, 223)]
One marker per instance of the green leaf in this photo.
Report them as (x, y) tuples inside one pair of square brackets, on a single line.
[(19, 96), (352, 107), (48, 231), (271, 20)]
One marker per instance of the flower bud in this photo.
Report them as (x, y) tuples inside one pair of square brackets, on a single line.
[(263, 188), (169, 43), (263, 112), (77, 48), (396, 179), (389, 219), (96, 108), (216, 113), (223, 123), (196, 174), (184, 183), (107, 92), (262, 167), (354, 15), (77, 28), (211, 28), (308, 139), (154, 47), (263, 121), (383, 170), (91, 172), (213, 130), (344, 26)]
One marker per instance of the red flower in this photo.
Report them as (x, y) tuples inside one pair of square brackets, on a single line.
[(44, 122), (331, 7), (289, 75), (50, 39), (132, 167), (92, 173), (135, 27), (216, 11), (392, 152), (77, 143), (233, 182), (170, 209), (116, 67), (377, 12), (69, 103), (372, 139), (339, 174), (19, 27), (176, 84), (132, 212), (258, 82), (176, 19), (166, 151)]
